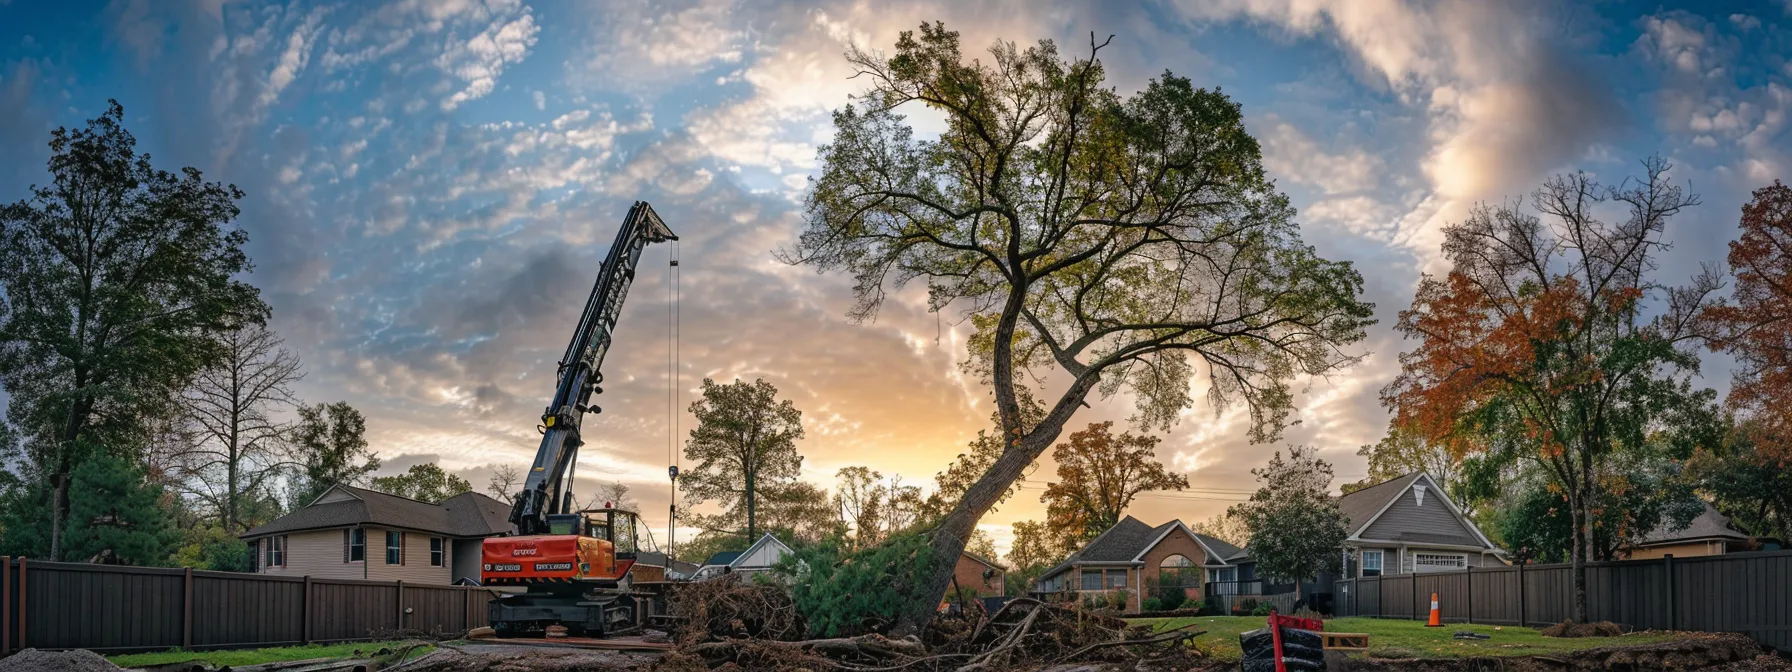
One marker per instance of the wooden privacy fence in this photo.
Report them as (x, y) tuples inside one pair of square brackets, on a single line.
[(59, 605), (1750, 593)]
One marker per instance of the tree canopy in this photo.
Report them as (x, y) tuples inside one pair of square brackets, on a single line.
[(1296, 527), (426, 482), (331, 445), (1131, 243), (1099, 474), (117, 279), (744, 446), (1537, 341), (1755, 324)]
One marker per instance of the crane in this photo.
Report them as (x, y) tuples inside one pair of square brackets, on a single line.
[(574, 563)]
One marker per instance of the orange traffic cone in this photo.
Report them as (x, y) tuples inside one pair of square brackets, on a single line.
[(1437, 620)]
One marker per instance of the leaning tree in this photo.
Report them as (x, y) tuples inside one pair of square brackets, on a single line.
[(1133, 243)]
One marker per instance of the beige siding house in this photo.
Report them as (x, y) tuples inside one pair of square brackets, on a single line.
[(1711, 533), (355, 533)]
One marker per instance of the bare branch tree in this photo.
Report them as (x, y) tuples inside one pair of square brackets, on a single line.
[(232, 409)]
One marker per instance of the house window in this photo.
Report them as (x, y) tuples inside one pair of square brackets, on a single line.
[(435, 551), (354, 545), (277, 551), (1177, 571), (1116, 578), (1437, 562), (1371, 563), (1091, 579), (394, 548)]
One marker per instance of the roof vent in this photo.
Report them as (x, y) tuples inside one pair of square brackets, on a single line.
[(1418, 493)]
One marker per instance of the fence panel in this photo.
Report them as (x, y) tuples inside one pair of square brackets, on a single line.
[(232, 609), (70, 605), (445, 608), (1396, 596), (344, 610), (1494, 595)]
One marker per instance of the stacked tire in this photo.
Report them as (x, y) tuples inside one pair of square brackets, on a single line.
[(1302, 650)]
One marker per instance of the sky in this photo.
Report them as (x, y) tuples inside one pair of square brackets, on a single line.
[(431, 186)]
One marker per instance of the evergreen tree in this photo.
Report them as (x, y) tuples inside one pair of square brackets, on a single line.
[(118, 517)]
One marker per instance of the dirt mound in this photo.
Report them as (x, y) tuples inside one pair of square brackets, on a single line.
[(56, 661), (1572, 629)]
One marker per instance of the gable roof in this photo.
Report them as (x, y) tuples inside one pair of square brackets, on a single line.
[(1361, 507), (1708, 525), (986, 561), (1129, 539), (469, 514), (1226, 551), (723, 558), (1382, 497), (764, 541)]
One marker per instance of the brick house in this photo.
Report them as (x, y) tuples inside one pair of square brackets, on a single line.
[(980, 575), (355, 533), (1131, 557)]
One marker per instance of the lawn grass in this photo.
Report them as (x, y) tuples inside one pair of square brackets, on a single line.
[(1390, 638), (257, 656)]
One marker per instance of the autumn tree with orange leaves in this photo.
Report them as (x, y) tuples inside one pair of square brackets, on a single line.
[(1548, 339), (1099, 474), (1752, 477), (1755, 325)]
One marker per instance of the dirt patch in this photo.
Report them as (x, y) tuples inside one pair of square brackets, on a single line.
[(1572, 629), (1691, 651), (482, 657), (56, 661)]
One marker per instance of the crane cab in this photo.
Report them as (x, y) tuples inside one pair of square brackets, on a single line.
[(594, 545)]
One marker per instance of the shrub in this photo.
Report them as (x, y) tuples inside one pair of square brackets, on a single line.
[(1171, 596), (845, 594), (1117, 599), (1244, 607), (1262, 609), (1211, 607), (1151, 604), (1093, 602)]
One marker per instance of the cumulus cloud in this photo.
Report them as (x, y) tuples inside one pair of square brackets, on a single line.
[(1290, 153)]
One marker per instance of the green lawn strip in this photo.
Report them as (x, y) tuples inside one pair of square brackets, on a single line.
[(1390, 638), (274, 655)]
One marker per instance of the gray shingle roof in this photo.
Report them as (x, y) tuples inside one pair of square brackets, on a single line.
[(468, 514), (1127, 539), (1707, 525), (1226, 551), (1363, 504)]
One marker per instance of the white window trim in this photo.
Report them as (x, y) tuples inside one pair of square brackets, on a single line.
[(1380, 562), (1462, 558), (438, 558)]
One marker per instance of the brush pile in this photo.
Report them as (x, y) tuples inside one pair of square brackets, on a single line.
[(730, 624)]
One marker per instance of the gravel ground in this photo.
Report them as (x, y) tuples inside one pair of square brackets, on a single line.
[(34, 660)]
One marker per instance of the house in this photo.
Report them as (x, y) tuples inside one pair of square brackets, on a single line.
[(982, 576), (355, 533), (1708, 534), (1408, 525), (1132, 556), (758, 558)]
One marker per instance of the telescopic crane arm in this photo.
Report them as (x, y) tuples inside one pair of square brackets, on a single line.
[(581, 373)]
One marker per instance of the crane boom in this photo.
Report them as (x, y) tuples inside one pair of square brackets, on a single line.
[(580, 372)]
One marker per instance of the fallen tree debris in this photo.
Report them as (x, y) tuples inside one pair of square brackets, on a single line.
[(736, 625)]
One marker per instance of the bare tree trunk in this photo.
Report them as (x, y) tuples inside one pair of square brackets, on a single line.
[(1577, 554), (58, 511)]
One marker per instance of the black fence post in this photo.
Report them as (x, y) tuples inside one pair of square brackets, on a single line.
[(1468, 576), (1415, 590), (1380, 596), (1667, 562), (399, 612), (186, 618), (1521, 594), (305, 612)]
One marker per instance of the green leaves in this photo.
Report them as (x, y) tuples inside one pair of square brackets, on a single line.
[(117, 277), (424, 483), (1295, 526)]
